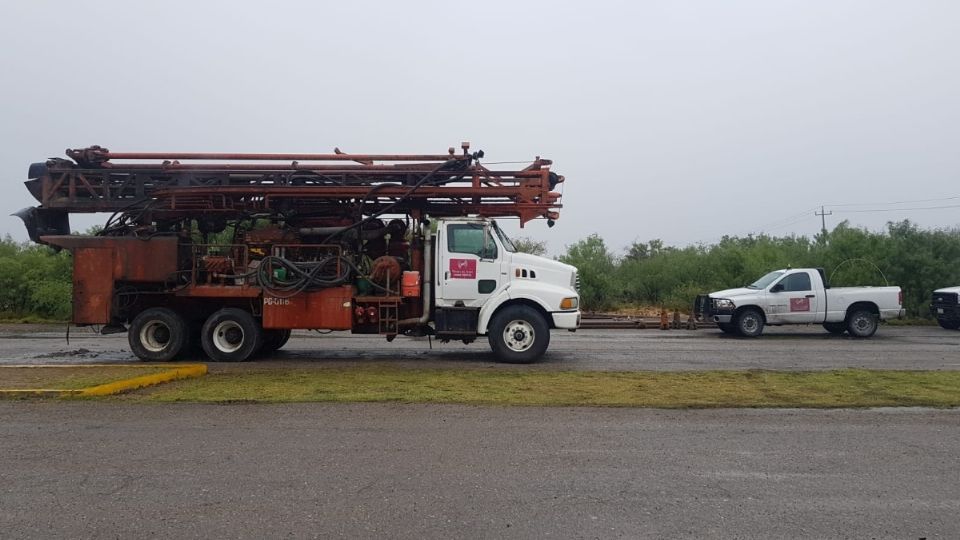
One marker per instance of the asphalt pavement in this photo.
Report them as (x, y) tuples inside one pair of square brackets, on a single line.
[(121, 470), (786, 348)]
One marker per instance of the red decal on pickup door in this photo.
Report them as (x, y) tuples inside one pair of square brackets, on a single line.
[(463, 268), (799, 304)]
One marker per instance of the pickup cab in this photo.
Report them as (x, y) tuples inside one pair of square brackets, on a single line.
[(945, 306), (799, 296)]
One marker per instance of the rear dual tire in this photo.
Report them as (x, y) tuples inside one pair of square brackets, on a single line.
[(273, 340), (158, 335), (231, 335)]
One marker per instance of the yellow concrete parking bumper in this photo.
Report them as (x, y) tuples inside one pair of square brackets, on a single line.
[(169, 373)]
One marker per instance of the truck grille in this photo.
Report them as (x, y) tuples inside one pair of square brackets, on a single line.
[(702, 306), (577, 283), (945, 299)]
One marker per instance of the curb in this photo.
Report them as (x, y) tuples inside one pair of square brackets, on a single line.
[(172, 373)]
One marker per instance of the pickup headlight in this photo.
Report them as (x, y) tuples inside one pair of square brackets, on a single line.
[(570, 303), (723, 303)]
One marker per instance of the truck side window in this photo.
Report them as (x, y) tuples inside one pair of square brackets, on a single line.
[(470, 238), (796, 282)]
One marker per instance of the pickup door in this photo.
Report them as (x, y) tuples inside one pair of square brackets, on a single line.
[(796, 298)]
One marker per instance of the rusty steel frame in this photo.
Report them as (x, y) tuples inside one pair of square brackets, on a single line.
[(433, 184)]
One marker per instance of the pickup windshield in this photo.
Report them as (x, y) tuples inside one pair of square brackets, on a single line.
[(765, 280)]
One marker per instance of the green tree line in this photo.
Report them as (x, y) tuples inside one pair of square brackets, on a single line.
[(35, 281), (650, 273)]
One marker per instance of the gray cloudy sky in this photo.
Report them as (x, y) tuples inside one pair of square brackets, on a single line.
[(677, 120)]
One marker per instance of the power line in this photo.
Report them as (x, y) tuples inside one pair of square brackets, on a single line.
[(950, 198), (789, 220), (897, 209)]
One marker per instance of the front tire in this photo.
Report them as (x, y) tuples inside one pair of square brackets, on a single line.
[(862, 323), (518, 335), (158, 335), (231, 335), (948, 324), (750, 323)]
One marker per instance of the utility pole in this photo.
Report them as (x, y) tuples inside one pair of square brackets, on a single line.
[(823, 220)]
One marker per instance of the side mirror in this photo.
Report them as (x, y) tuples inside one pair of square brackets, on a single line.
[(777, 288)]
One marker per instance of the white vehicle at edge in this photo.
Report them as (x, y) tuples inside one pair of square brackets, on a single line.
[(945, 306), (800, 296), (485, 287)]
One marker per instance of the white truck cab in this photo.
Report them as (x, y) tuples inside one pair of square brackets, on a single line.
[(945, 307), (799, 296), (484, 286)]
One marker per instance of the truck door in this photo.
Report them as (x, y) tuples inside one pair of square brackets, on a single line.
[(469, 266), (792, 300)]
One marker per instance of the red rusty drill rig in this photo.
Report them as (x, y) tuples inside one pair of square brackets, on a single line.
[(232, 251)]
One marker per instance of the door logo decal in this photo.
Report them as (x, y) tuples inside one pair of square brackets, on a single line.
[(463, 268), (799, 304)]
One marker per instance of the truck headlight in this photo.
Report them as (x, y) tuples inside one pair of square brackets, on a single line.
[(723, 303), (570, 303)]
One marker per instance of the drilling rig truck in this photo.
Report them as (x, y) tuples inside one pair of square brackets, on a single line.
[(230, 252)]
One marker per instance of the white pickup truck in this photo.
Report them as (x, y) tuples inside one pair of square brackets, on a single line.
[(799, 296), (945, 306)]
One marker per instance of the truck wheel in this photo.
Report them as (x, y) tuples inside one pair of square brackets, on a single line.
[(518, 335), (274, 339), (862, 323), (835, 327), (158, 335), (727, 328), (231, 335), (750, 322), (947, 324)]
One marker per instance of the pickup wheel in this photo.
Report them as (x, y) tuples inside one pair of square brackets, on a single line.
[(727, 328), (862, 323), (948, 324), (158, 335), (750, 322), (231, 335), (835, 327), (518, 335)]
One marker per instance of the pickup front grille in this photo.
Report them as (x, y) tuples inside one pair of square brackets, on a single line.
[(702, 306), (944, 299)]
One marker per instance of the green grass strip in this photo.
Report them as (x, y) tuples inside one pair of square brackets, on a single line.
[(68, 377), (378, 383)]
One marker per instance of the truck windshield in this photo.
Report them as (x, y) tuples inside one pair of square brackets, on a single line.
[(765, 280), (507, 243)]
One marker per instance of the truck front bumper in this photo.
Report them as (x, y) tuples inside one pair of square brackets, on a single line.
[(567, 320), (946, 312), (704, 311)]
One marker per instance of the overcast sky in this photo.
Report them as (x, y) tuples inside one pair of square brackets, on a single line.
[(683, 121)]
